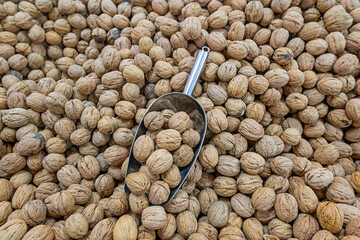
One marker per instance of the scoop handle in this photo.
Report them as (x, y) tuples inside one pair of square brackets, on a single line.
[(196, 71)]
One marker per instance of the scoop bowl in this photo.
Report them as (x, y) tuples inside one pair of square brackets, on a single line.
[(177, 102)]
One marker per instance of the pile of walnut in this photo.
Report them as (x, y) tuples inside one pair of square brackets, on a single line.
[(173, 149), (281, 90)]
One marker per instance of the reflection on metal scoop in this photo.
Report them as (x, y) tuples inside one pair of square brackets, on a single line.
[(177, 102)]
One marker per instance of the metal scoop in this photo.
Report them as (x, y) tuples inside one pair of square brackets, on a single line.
[(177, 102)]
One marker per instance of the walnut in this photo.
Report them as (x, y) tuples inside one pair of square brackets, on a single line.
[(93, 213), (326, 154), (125, 109), (217, 121), (340, 186), (133, 74), (291, 136), (143, 148), (123, 137), (68, 175), (217, 94), (186, 223), (6, 210), (159, 161), (88, 167), (305, 220), (172, 176), (191, 28), (6, 190), (15, 118), (11, 163), (252, 228), (164, 69), (154, 217), (179, 203), (247, 184), (138, 183), (252, 163), (60, 204), (159, 192), (31, 143), (250, 129), (336, 19), (154, 121), (138, 202), (207, 230), (217, 42), (117, 204), (218, 214), (125, 227), (168, 139), (333, 214), (183, 155), (15, 228), (263, 198), (281, 166), (104, 185), (225, 186), (115, 155), (180, 121), (286, 207), (56, 145), (324, 234), (76, 226), (319, 178), (279, 229), (81, 193), (224, 141), (228, 166), (191, 137)]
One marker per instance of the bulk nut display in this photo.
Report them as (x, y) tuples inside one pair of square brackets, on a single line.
[(164, 150), (280, 89)]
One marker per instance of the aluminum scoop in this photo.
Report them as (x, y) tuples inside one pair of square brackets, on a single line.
[(177, 102)]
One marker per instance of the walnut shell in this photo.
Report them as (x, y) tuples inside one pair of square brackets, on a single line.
[(330, 216), (13, 229), (138, 183), (168, 139), (286, 207), (319, 178), (125, 228), (180, 121), (183, 155), (186, 223), (263, 198), (60, 204), (307, 220), (252, 163), (159, 192), (250, 129), (31, 143), (172, 176), (159, 161), (218, 214), (154, 217), (143, 148), (306, 198), (40, 232), (154, 121)]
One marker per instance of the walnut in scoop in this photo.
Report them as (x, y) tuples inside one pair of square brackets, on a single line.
[(154, 121)]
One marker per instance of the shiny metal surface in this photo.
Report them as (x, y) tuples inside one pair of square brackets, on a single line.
[(177, 101), (196, 71)]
